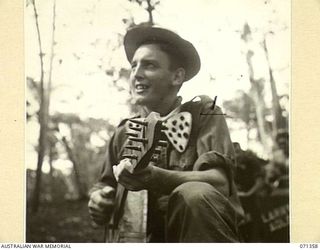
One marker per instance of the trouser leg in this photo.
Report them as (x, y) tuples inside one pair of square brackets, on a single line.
[(197, 212)]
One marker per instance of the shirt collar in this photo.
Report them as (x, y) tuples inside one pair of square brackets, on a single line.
[(142, 112)]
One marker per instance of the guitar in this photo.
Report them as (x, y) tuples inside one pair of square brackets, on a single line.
[(128, 222)]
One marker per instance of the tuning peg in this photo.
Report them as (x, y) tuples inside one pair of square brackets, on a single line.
[(138, 148), (136, 128), (130, 156), (157, 151), (131, 134), (143, 140), (138, 122), (162, 143), (154, 159)]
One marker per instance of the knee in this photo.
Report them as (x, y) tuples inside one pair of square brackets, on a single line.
[(194, 194)]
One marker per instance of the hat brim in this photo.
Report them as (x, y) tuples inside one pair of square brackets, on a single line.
[(139, 35)]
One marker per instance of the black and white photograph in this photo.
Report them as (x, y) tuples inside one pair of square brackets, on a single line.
[(157, 121)]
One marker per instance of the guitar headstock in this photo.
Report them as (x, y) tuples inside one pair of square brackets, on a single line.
[(144, 140)]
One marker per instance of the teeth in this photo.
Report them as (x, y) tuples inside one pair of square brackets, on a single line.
[(141, 87)]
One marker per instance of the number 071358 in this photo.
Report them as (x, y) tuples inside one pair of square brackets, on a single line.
[(305, 245)]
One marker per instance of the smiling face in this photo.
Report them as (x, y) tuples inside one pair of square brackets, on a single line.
[(153, 82)]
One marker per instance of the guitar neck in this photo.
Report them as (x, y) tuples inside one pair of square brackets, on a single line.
[(120, 199), (141, 148)]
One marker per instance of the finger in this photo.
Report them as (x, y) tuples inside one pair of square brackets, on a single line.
[(126, 163), (99, 200), (117, 169), (119, 172), (101, 205), (108, 192), (100, 210), (100, 215), (96, 205), (95, 214)]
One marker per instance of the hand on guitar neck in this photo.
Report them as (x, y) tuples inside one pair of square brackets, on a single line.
[(132, 180), (143, 147), (133, 172)]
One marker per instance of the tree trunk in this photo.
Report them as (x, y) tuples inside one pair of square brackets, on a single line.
[(51, 177), (44, 108), (150, 9), (49, 89), (259, 104), (257, 91), (42, 121), (72, 158), (278, 121), (51, 55)]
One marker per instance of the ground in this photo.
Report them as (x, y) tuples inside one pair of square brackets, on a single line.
[(63, 221)]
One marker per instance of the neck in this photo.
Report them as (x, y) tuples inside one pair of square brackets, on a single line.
[(163, 109)]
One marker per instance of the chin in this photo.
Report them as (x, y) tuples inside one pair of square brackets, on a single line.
[(145, 101), (140, 100)]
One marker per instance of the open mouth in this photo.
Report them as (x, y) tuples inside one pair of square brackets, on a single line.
[(141, 88)]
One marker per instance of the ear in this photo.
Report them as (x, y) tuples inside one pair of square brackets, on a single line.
[(178, 77)]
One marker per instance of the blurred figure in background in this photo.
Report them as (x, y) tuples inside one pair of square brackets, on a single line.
[(249, 178), (282, 140), (275, 199), (277, 171), (249, 173)]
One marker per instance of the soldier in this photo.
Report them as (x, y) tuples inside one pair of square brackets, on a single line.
[(192, 196)]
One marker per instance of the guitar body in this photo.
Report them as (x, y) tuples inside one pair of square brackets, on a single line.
[(133, 224), (129, 220)]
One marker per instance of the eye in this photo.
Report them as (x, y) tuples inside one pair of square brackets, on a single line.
[(133, 65), (151, 65)]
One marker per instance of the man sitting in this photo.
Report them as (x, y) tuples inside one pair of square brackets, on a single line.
[(191, 192)]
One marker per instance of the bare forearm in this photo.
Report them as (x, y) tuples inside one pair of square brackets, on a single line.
[(165, 181)]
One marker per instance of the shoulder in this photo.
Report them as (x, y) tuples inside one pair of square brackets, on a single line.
[(204, 111), (202, 104)]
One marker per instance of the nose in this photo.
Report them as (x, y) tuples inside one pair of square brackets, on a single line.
[(137, 73)]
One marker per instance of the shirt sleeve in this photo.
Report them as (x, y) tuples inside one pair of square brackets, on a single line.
[(214, 146)]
